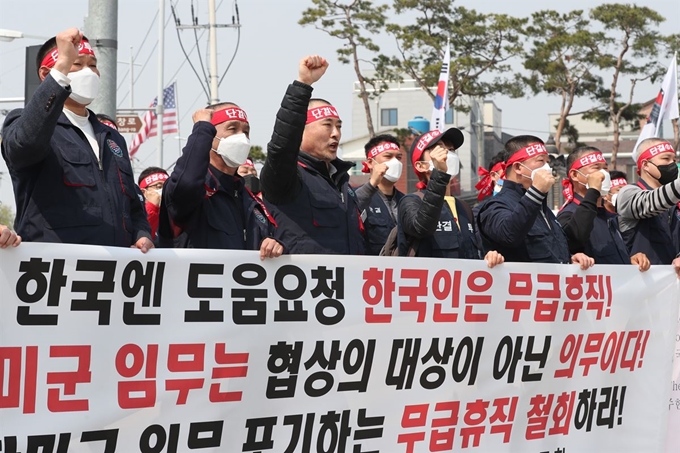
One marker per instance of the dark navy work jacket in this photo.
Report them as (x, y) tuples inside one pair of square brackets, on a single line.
[(447, 241), (63, 193), (520, 229), (208, 208), (316, 211), (605, 245), (379, 222)]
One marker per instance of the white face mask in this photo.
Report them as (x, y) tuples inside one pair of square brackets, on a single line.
[(394, 168), (614, 199), (606, 183), (84, 86), (452, 164), (545, 167), (234, 149), (159, 192)]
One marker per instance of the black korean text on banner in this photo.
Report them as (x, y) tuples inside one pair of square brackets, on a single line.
[(92, 286), (334, 431)]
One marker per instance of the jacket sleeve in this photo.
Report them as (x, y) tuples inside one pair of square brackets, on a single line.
[(419, 218), (364, 195), (279, 178), (634, 203), (508, 227), (26, 133), (579, 225), (185, 189)]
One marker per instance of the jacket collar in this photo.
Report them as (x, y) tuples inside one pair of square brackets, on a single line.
[(320, 166), (215, 181)]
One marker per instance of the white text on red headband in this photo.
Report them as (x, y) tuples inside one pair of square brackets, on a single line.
[(230, 114), (320, 113), (425, 140), (655, 150), (618, 182), (588, 159), (529, 151), (84, 48), (381, 148), (152, 179)]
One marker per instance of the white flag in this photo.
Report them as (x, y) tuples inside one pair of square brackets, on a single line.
[(665, 106), (441, 100)]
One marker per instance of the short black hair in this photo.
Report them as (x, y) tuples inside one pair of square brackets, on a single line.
[(46, 48), (614, 174), (378, 139), (502, 156), (576, 153), (516, 143), (150, 171)]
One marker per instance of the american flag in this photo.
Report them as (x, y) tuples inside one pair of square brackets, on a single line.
[(150, 123)]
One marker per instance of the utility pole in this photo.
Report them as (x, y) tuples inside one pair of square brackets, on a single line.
[(212, 27), (214, 95), (101, 28), (159, 105)]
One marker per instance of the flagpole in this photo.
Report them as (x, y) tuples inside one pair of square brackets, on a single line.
[(159, 104), (179, 136)]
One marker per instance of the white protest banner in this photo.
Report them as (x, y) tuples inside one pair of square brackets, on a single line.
[(673, 439), (110, 350)]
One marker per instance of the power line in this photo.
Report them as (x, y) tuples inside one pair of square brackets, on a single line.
[(238, 40), (153, 21), (186, 56)]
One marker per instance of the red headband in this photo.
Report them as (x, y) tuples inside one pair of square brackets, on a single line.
[(618, 182), (230, 114), (320, 113), (84, 48), (152, 179), (486, 183), (663, 147), (376, 150), (595, 157), (529, 151), (588, 159), (422, 143)]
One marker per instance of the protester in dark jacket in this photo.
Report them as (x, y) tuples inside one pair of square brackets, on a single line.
[(441, 226), (72, 177), (517, 222), (205, 199), (378, 198), (303, 177), (648, 212), (151, 181), (589, 227)]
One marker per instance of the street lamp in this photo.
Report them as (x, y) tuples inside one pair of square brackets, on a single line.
[(11, 35)]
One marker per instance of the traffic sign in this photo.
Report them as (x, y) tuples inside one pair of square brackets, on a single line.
[(128, 124)]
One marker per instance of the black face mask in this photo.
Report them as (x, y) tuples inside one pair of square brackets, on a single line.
[(669, 173), (252, 182)]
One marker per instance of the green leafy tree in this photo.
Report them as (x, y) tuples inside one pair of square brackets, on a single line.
[(562, 60), (257, 154), (353, 22), (6, 215), (482, 46), (630, 48)]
